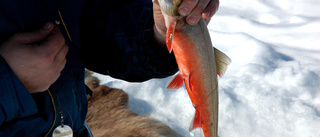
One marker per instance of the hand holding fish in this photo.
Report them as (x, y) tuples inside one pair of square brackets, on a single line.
[(192, 9), (195, 9)]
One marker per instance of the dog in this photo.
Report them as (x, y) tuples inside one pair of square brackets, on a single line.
[(109, 115)]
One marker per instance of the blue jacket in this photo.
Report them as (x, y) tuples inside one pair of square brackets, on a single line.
[(112, 37)]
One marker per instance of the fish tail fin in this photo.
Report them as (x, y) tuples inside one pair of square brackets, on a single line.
[(196, 123), (222, 61)]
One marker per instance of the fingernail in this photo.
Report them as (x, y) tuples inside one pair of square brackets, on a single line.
[(183, 11), (47, 26), (192, 20), (207, 14)]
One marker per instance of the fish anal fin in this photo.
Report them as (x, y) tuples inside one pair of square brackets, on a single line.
[(196, 123), (170, 34), (222, 61), (176, 82)]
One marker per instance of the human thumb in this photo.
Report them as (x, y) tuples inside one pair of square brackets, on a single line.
[(38, 35)]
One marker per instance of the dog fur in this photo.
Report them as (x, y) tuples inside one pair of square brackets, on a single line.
[(109, 115)]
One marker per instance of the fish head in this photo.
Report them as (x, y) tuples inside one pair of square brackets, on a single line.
[(170, 7)]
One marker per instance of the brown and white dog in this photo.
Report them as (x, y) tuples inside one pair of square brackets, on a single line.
[(109, 115)]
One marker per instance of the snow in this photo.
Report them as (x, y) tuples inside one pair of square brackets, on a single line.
[(272, 86)]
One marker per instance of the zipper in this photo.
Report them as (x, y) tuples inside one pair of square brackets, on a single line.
[(64, 25), (51, 97), (55, 113)]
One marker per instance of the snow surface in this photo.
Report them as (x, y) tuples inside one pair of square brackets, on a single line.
[(271, 88)]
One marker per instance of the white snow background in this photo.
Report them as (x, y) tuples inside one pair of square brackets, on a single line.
[(271, 88)]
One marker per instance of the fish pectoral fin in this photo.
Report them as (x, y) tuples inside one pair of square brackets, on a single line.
[(176, 82), (196, 121), (222, 61), (170, 34)]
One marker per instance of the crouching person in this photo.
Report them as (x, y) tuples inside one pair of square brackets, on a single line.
[(45, 47)]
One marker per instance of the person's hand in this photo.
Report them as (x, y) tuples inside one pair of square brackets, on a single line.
[(37, 57), (193, 9)]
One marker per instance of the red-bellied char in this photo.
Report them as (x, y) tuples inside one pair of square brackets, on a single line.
[(199, 64)]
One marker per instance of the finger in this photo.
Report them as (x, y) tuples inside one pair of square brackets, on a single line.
[(54, 43), (58, 64), (196, 13), (61, 66), (187, 6), (60, 58), (53, 79), (35, 36), (211, 9), (58, 70)]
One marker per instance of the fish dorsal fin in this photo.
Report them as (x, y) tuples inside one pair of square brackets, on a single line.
[(170, 34), (222, 61), (196, 123), (176, 82)]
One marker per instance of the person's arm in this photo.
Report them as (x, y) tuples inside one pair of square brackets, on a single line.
[(118, 40)]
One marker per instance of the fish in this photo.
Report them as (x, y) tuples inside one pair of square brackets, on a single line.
[(199, 65)]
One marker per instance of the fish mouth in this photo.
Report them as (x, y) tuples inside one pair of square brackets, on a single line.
[(170, 7)]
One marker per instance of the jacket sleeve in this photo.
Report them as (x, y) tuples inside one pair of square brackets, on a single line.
[(15, 100), (118, 40)]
